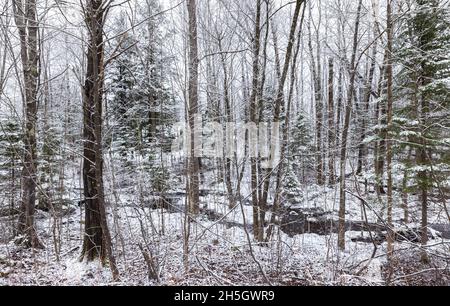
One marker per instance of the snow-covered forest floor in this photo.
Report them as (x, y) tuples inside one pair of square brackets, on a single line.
[(219, 252), (275, 142)]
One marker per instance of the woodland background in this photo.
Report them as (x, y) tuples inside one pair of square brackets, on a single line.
[(92, 192)]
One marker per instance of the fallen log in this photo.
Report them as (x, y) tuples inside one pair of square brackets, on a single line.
[(300, 221), (322, 223)]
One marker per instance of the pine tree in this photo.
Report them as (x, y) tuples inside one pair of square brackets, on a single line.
[(291, 191), (424, 99), (11, 147), (301, 147), (141, 107), (49, 150)]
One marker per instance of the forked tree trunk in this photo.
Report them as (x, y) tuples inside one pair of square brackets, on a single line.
[(285, 134)]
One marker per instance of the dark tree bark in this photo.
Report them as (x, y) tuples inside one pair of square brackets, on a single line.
[(97, 239), (331, 126)]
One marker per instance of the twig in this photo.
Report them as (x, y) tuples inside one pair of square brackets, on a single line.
[(222, 280)]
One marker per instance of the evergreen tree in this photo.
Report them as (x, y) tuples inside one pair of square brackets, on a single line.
[(423, 99), (301, 160), (48, 165), (301, 147), (11, 147), (140, 104), (141, 107), (291, 186)]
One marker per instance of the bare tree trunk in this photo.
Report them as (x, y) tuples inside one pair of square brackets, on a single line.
[(379, 149), (263, 180), (404, 191), (362, 148), (27, 25), (151, 95), (390, 238), (279, 103), (285, 135), (276, 50), (381, 145), (193, 109), (226, 97), (316, 75), (348, 111), (339, 105), (331, 126), (97, 239), (46, 175), (424, 202), (423, 161), (253, 114)]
